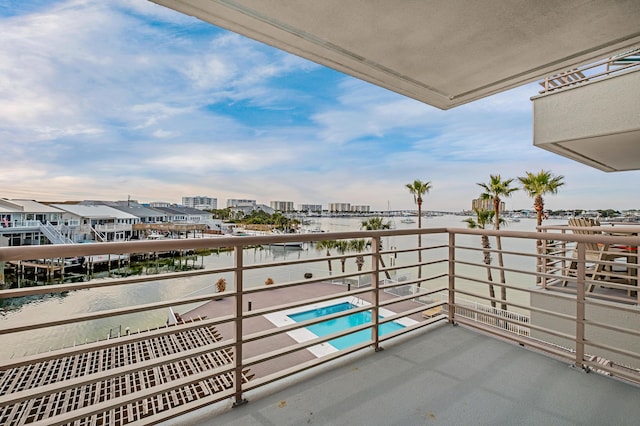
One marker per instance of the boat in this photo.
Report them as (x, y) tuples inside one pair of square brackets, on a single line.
[(289, 244), (407, 220)]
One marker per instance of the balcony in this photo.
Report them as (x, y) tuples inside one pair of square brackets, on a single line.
[(507, 359), (590, 114)]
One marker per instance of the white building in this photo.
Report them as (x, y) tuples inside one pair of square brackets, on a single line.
[(282, 206), (339, 207), (310, 208), (200, 202), (481, 204), (159, 204), (97, 222), (234, 202), (360, 209)]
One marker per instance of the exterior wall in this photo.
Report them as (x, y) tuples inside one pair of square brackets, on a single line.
[(595, 123), (200, 202), (566, 304), (598, 108)]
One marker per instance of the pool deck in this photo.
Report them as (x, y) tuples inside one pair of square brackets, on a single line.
[(274, 297)]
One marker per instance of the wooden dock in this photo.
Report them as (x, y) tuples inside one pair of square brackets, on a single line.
[(49, 269), (73, 368)]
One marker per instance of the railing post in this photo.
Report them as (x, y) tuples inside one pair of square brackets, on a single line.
[(375, 282), (452, 272), (237, 279), (580, 310), (542, 263)]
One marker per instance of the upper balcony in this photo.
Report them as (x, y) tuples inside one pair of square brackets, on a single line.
[(236, 340), (590, 114), (444, 54)]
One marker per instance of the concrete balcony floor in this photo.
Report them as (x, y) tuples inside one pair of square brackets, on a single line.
[(449, 375)]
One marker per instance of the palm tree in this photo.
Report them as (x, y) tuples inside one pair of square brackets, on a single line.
[(326, 245), (359, 245), (537, 185), (418, 189), (374, 224), (494, 190), (342, 246), (484, 218)]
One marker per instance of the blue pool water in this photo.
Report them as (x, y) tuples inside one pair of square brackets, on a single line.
[(343, 323)]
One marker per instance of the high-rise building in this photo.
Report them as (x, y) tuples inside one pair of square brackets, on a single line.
[(339, 207), (234, 202), (310, 208), (200, 202), (282, 206), (483, 204), (360, 209)]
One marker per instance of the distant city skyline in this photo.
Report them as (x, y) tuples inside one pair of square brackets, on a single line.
[(114, 99)]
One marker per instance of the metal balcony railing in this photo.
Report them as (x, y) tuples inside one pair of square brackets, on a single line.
[(234, 334), (624, 62)]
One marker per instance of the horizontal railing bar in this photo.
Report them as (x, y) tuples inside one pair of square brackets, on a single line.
[(303, 324), (109, 404), (107, 313), (110, 343), (42, 390), (398, 299), (612, 327), (515, 322), (416, 249), (410, 328), (304, 366), (568, 317), (496, 251), (515, 337), (496, 267), (62, 288), (411, 282), (304, 345), (494, 283), (610, 348), (407, 313), (619, 307), (305, 281), (613, 371), (300, 303)]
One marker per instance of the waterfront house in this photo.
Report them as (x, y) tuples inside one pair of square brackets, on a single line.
[(187, 215), (97, 223), (28, 222), (144, 213)]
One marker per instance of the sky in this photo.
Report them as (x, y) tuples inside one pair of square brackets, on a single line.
[(127, 99)]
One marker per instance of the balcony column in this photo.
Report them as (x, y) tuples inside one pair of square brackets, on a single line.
[(375, 283), (580, 310), (452, 280), (237, 279)]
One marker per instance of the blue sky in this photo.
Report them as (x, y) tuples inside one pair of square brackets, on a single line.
[(105, 100)]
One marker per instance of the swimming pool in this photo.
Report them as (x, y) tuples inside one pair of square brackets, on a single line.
[(338, 324)]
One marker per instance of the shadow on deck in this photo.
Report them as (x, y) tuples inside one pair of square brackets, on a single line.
[(448, 375)]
